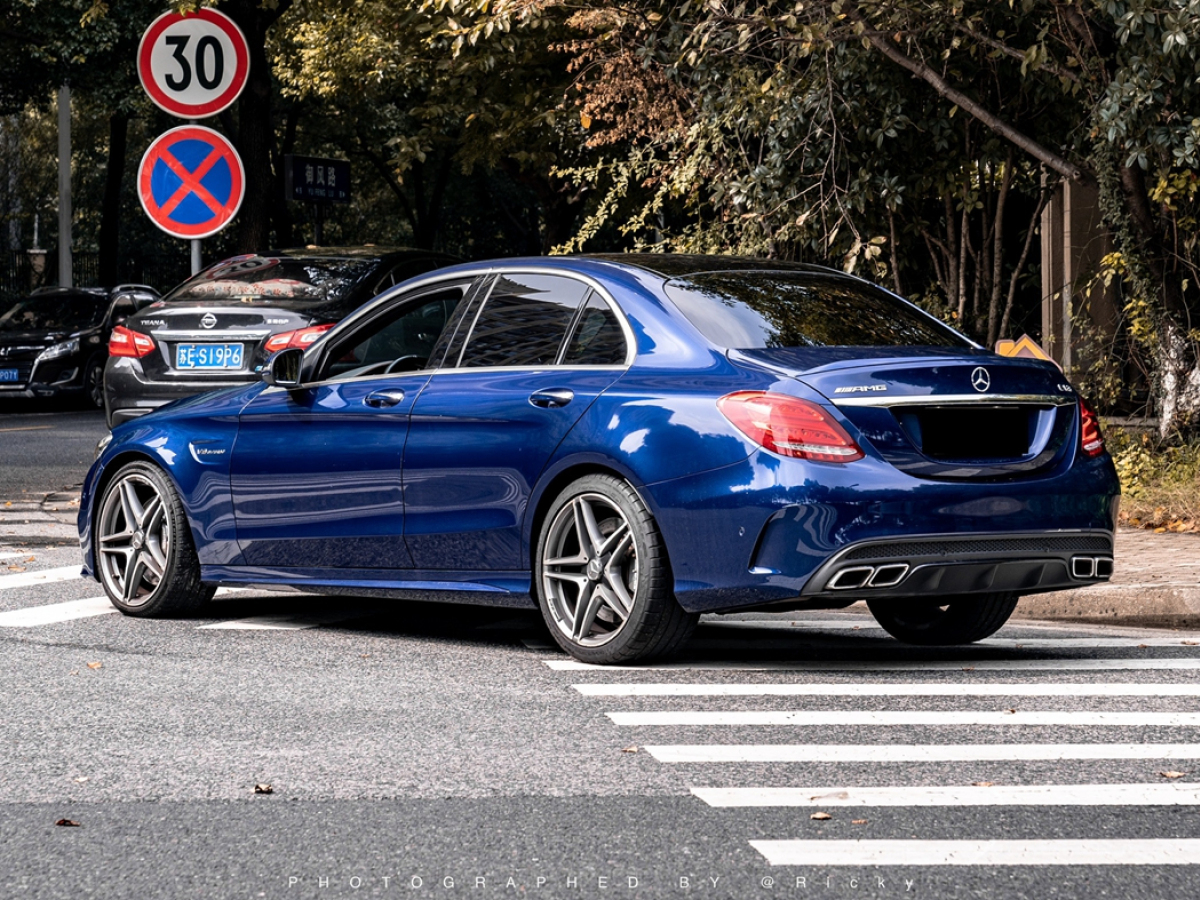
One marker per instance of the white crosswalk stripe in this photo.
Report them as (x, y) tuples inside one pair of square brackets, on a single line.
[(42, 576), (737, 681), (889, 690), (911, 853), (805, 717), (959, 795), (892, 753), (56, 612), (961, 665)]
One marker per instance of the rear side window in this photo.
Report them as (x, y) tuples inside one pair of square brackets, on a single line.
[(597, 339), (757, 310), (524, 321)]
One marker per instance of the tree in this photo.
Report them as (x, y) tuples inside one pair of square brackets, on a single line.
[(774, 108)]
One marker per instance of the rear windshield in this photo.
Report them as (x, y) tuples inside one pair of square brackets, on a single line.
[(50, 313), (756, 310), (275, 278)]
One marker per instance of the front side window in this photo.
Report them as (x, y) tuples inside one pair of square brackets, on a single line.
[(524, 321), (400, 340)]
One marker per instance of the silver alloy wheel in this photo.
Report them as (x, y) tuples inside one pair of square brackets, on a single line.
[(590, 570), (133, 539)]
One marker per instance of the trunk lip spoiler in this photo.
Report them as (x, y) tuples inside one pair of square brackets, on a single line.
[(884, 400)]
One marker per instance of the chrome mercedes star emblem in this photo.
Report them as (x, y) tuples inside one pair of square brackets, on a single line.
[(208, 321), (980, 380)]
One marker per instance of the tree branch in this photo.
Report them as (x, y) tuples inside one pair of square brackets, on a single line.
[(957, 97)]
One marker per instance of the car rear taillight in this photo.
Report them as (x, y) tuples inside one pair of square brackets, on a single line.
[(1091, 441), (789, 426), (300, 338), (123, 342)]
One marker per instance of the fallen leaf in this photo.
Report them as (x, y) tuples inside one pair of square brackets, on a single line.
[(67, 823), (982, 783), (632, 748), (968, 668), (263, 789), (821, 816), (16, 568), (31, 559), (836, 795), (1143, 646), (95, 665), (858, 821), (1191, 643), (1010, 710), (364, 656), (1172, 774), (1160, 531), (81, 779), (75, 672)]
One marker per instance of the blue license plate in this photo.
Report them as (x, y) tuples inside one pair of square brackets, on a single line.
[(208, 356), (10, 375)]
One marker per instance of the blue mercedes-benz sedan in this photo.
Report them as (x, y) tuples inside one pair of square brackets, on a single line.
[(624, 442)]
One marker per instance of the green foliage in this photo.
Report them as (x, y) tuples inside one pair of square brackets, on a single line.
[(1160, 480)]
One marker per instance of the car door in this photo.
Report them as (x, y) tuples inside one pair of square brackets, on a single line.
[(483, 430), (315, 472)]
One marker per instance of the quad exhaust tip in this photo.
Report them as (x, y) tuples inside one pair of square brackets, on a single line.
[(855, 577), (1091, 567)]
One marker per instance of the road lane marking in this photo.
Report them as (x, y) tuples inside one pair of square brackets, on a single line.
[(957, 795), (15, 555), (969, 665), (804, 717), (283, 621), (912, 853), (940, 689), (43, 576), (29, 428), (752, 753), (56, 612)]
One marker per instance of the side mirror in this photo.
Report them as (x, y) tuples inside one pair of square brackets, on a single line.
[(283, 369)]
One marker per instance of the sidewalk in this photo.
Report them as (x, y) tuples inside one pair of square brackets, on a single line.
[(1156, 583)]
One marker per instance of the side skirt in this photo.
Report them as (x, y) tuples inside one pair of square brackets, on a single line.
[(507, 589)]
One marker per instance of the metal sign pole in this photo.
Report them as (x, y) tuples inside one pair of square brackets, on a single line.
[(197, 265)]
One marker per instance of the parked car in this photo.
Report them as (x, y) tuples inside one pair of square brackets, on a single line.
[(54, 342), (625, 442), (217, 328)]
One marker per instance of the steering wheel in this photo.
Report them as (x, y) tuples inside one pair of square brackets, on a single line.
[(414, 362)]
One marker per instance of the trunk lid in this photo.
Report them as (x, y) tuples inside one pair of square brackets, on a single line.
[(933, 414)]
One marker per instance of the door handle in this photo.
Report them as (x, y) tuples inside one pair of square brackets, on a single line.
[(383, 399), (551, 399)]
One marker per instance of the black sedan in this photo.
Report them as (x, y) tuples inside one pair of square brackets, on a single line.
[(217, 328), (54, 341)]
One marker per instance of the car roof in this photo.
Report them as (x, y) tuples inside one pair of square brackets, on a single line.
[(677, 265), (364, 251)]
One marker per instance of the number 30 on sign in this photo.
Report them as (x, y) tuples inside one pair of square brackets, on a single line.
[(193, 65)]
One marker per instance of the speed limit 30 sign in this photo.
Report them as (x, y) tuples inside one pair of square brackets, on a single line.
[(193, 65)]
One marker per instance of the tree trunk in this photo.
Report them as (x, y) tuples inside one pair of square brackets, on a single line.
[(110, 210), (256, 132)]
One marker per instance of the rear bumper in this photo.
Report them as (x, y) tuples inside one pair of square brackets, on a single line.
[(767, 530), (951, 565)]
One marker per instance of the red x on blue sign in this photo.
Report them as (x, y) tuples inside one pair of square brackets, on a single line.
[(191, 182)]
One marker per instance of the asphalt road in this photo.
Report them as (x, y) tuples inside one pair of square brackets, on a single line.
[(412, 749), (434, 751), (45, 447)]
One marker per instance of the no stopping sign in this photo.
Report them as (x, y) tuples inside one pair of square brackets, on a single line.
[(193, 65)]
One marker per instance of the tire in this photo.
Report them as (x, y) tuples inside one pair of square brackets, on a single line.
[(607, 597), (93, 385), (144, 552), (939, 621)]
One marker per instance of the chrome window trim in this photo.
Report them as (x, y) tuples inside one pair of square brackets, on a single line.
[(958, 400)]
